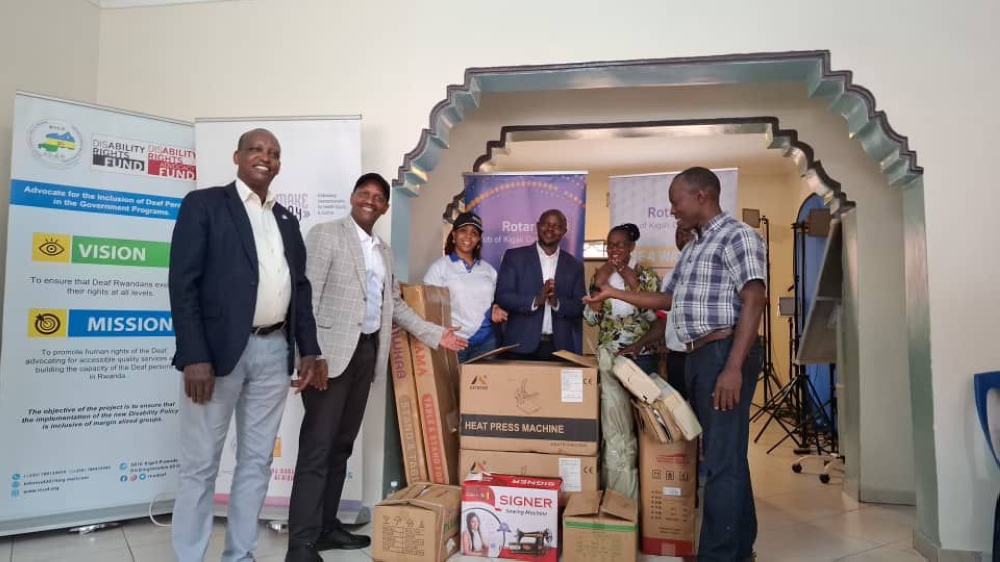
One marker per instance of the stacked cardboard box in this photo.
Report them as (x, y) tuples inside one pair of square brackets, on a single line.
[(668, 454), (600, 527), (515, 517), (578, 474), (425, 386), (417, 524), (532, 418), (667, 489)]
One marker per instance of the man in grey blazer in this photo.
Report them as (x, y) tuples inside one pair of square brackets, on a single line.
[(355, 300)]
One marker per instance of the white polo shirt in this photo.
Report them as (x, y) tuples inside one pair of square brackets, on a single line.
[(471, 289)]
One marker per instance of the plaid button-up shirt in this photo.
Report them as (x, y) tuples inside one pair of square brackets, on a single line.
[(710, 274)]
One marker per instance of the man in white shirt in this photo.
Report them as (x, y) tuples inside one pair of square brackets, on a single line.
[(541, 287), (241, 304), (356, 299)]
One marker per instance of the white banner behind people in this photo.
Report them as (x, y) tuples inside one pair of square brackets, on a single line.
[(88, 397), (644, 200), (320, 161)]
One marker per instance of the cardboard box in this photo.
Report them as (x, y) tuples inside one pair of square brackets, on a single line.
[(578, 474), (436, 373), (667, 490), (417, 524), (404, 386), (600, 527), (662, 411), (531, 406), (514, 517)]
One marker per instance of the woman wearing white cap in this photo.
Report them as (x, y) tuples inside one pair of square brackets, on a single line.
[(471, 282)]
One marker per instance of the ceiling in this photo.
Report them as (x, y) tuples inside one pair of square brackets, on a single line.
[(655, 153), (143, 3)]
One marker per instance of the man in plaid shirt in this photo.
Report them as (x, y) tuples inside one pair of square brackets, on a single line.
[(717, 293)]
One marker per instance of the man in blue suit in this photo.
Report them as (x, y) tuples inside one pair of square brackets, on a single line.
[(541, 288), (241, 303)]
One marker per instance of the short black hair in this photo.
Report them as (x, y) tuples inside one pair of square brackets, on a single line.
[(374, 179), (630, 231), (244, 136), (702, 179), (555, 212)]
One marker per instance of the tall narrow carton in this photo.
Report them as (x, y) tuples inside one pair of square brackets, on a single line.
[(436, 376), (404, 386)]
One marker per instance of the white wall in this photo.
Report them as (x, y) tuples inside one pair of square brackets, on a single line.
[(884, 369), (929, 64), (56, 45)]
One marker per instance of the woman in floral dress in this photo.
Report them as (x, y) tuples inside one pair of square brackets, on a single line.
[(621, 324)]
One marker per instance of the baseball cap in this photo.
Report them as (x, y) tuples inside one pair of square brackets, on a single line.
[(465, 219)]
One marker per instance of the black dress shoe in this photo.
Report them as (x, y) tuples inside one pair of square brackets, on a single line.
[(303, 553), (339, 539)]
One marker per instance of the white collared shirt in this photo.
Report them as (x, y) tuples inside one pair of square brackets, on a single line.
[(673, 339), (274, 283), (549, 266), (471, 288), (375, 279)]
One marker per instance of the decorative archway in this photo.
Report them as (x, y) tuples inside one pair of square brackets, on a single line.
[(786, 140), (855, 103), (866, 124)]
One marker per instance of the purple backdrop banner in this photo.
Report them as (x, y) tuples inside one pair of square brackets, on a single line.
[(510, 205)]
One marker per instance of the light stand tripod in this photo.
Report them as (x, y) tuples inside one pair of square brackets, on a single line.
[(767, 375), (798, 399)]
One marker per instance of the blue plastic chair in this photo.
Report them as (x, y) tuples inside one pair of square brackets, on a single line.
[(983, 384)]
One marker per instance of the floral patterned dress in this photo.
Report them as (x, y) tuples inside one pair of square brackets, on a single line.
[(616, 332)]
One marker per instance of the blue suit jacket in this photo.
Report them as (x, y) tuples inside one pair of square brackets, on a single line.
[(519, 281), (213, 281)]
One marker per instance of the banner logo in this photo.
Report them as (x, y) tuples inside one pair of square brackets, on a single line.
[(141, 158), (62, 323), (50, 247), (55, 143), (296, 203), (46, 323), (118, 155), (172, 162), (479, 382)]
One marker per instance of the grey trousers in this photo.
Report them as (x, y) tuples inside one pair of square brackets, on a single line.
[(256, 390)]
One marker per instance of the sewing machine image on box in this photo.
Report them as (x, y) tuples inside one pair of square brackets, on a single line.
[(533, 542)]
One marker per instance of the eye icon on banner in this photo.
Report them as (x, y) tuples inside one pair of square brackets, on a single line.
[(47, 323), (50, 247)]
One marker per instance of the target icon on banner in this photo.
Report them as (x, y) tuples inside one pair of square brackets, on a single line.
[(46, 323)]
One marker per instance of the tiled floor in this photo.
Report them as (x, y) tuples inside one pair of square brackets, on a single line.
[(800, 520)]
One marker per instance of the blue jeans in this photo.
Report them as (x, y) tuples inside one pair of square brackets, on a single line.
[(649, 363), (256, 391), (489, 344), (729, 522)]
